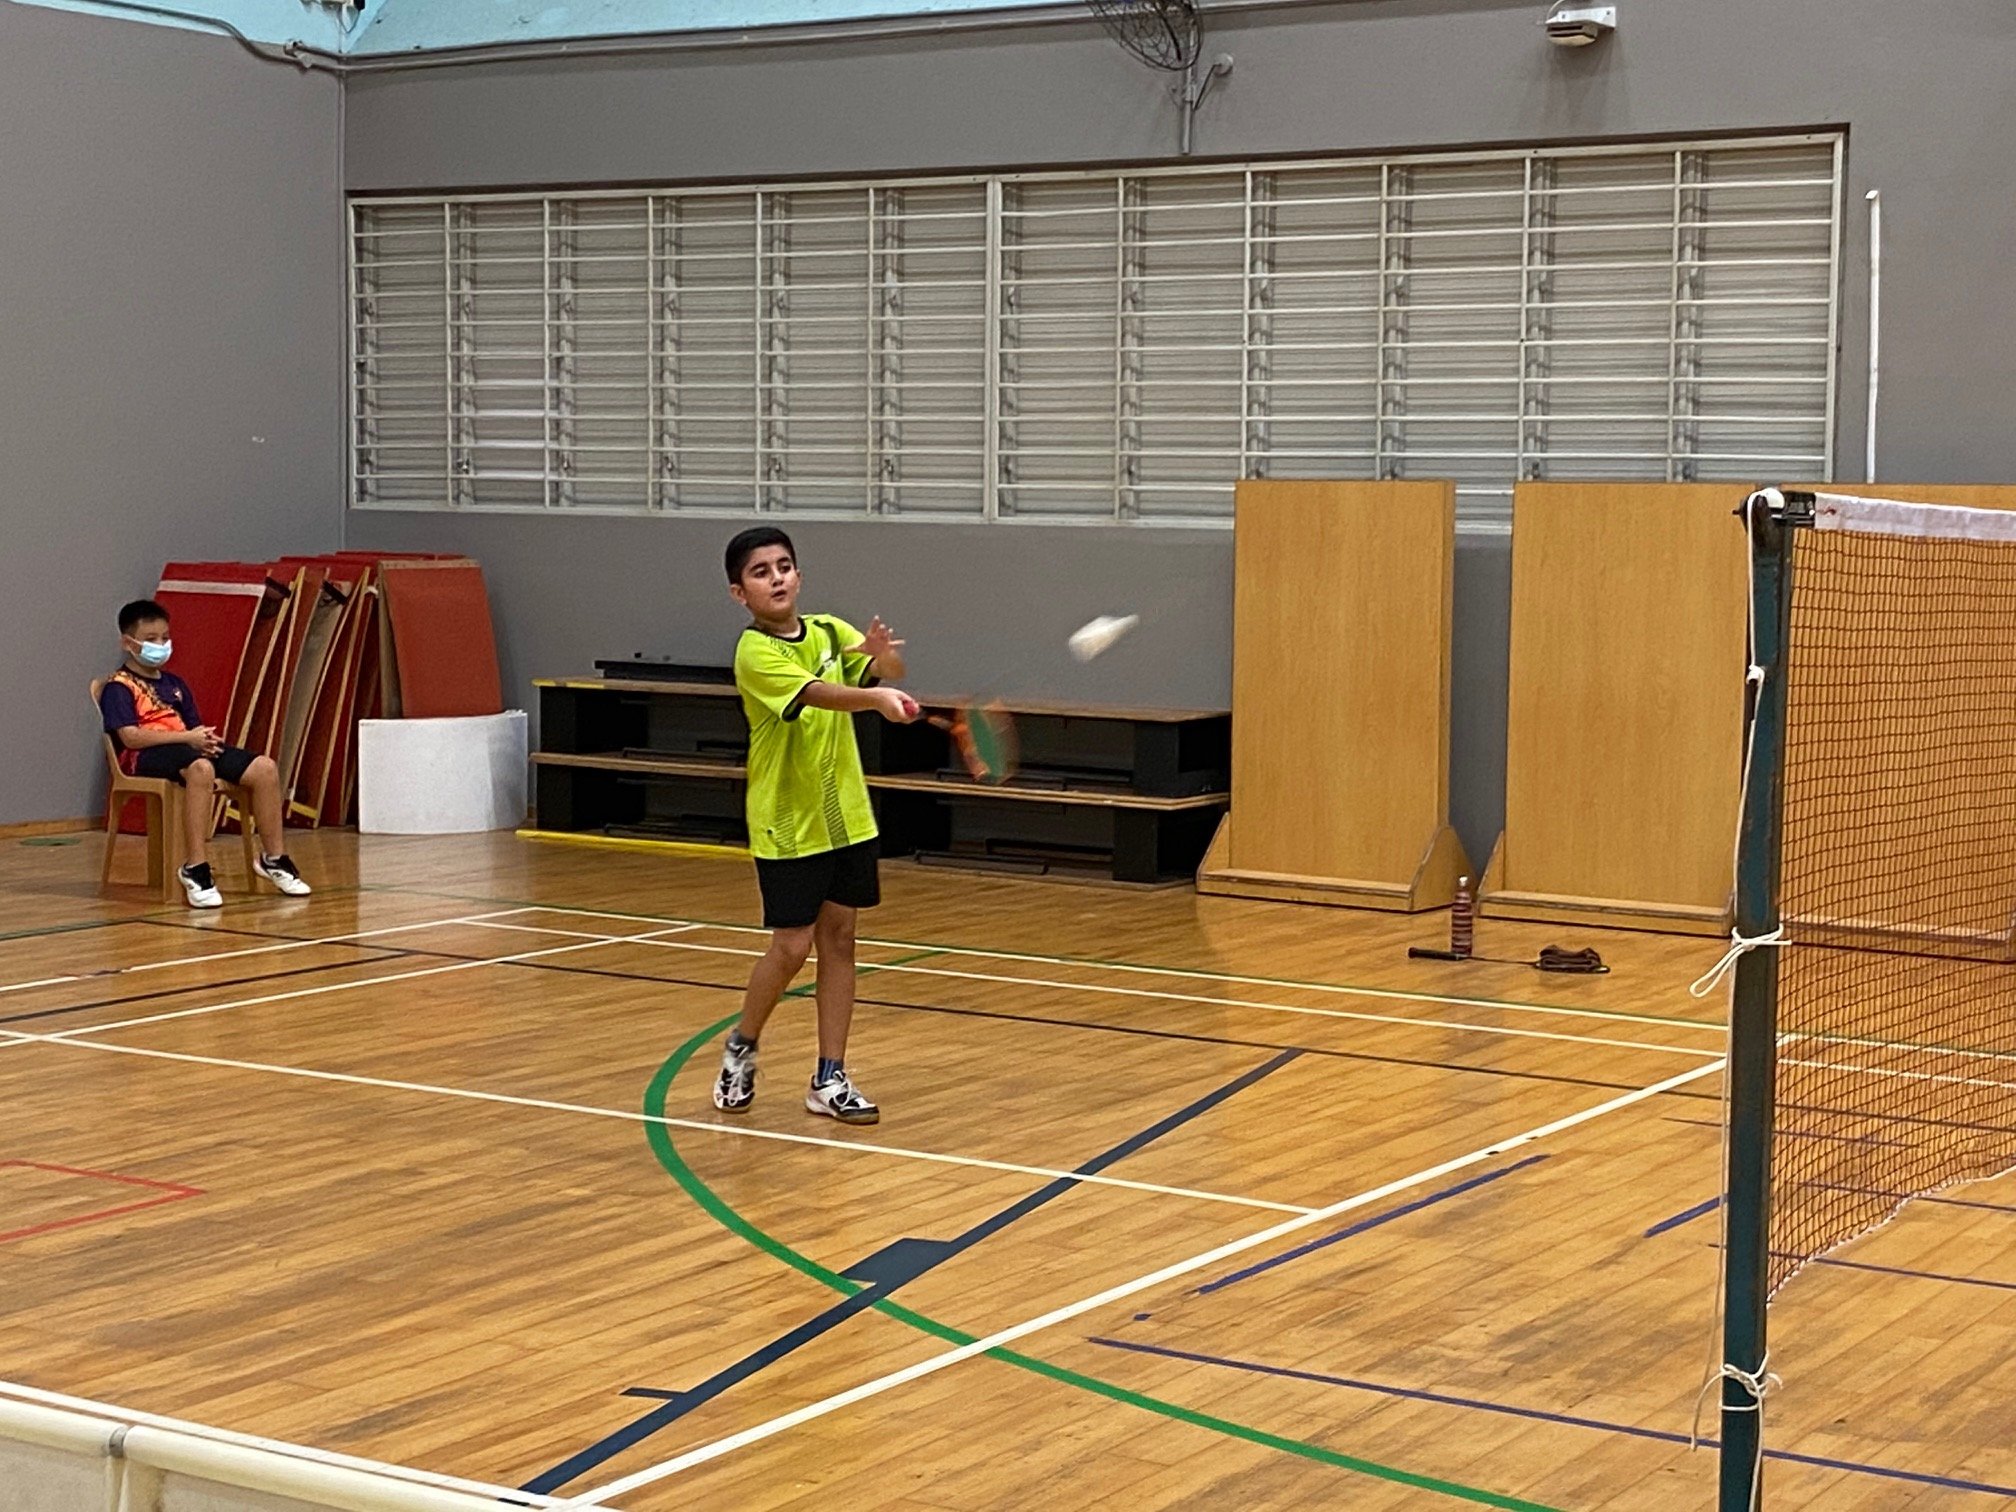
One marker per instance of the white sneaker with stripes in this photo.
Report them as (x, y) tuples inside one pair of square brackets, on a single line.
[(841, 1099)]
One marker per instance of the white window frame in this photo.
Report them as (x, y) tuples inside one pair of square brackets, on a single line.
[(1486, 504)]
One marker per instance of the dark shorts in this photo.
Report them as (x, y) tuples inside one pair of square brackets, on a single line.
[(794, 890), (169, 760)]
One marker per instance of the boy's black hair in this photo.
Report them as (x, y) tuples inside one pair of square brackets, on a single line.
[(139, 612), (747, 543)]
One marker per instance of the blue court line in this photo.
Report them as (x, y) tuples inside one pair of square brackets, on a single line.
[(1700, 1209), (1859, 1139), (1535, 1414), (1368, 1223), (1915, 1275), (1713, 1203), (885, 1270)]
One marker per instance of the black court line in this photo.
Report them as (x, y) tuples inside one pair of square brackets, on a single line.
[(1539, 1415), (884, 1271), (166, 915), (385, 954), (1215, 1039)]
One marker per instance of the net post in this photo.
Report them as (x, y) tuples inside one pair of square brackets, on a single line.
[(1753, 1041)]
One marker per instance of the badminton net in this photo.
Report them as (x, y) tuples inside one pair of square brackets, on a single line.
[(1896, 1070)]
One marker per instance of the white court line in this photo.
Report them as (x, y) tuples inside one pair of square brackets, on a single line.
[(550, 1105), (361, 934), (232, 955), (271, 1446), (301, 992), (1112, 1294), (42, 982), (1891, 1071), (1182, 997), (1830, 1041), (1395, 994)]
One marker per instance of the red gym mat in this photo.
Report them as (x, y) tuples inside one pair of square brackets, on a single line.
[(211, 607), (443, 640)]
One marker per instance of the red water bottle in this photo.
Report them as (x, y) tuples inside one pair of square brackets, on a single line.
[(1463, 920)]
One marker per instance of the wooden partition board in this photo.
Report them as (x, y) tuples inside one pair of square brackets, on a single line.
[(1629, 607), (1625, 725), (1340, 711)]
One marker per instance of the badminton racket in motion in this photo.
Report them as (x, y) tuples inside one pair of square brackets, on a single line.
[(983, 736), (983, 731)]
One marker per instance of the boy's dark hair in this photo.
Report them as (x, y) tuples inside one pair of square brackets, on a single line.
[(138, 613), (749, 542)]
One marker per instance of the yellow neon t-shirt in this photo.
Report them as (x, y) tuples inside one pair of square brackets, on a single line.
[(806, 791)]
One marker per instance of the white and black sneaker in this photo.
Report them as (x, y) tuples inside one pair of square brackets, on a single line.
[(283, 874), (841, 1099), (201, 886), (735, 1087)]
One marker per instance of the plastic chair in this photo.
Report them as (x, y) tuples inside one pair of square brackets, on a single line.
[(163, 800)]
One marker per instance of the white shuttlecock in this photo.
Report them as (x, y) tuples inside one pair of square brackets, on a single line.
[(1089, 639)]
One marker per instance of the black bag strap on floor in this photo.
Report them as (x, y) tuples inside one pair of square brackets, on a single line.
[(1577, 962)]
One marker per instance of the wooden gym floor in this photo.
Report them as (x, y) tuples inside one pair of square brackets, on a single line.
[(1247, 1209)]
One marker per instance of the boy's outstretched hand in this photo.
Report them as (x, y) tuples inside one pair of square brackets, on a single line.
[(896, 706), (879, 641)]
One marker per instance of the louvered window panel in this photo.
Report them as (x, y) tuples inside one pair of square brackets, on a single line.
[(1102, 347), (399, 358)]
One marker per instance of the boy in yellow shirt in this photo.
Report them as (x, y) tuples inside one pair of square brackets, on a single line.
[(811, 828)]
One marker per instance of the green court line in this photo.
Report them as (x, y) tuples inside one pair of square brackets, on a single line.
[(1075, 960), (660, 1137)]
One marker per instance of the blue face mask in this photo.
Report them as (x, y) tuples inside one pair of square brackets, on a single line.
[(155, 654)]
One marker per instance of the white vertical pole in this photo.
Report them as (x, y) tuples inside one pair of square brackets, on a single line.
[(1875, 198)]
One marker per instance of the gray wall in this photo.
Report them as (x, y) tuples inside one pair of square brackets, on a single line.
[(1924, 90), (170, 347)]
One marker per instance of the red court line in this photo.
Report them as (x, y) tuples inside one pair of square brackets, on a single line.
[(174, 1192)]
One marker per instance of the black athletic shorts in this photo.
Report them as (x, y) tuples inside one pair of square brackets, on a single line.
[(794, 890), (169, 760)]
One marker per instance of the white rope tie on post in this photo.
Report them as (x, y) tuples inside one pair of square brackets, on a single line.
[(1740, 945), (1757, 1385)]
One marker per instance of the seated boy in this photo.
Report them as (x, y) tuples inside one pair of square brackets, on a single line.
[(152, 714)]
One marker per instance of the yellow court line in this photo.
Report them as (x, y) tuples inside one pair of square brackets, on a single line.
[(625, 843)]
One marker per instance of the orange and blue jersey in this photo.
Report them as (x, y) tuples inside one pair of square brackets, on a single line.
[(148, 703)]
